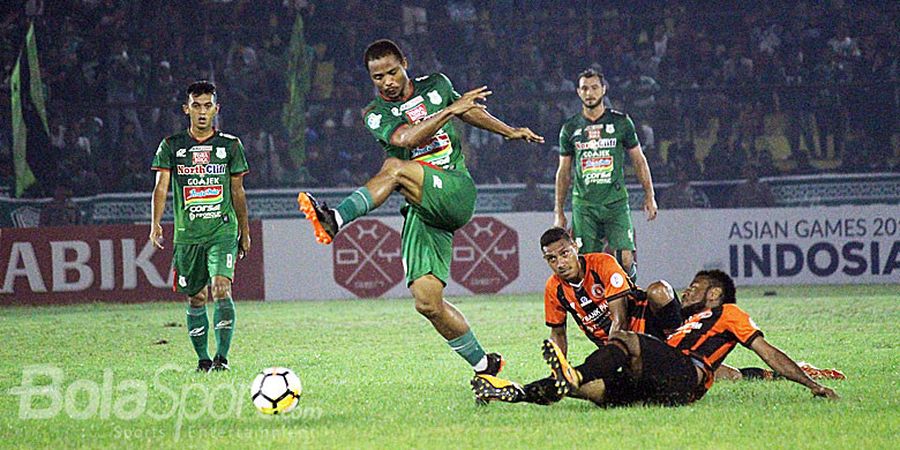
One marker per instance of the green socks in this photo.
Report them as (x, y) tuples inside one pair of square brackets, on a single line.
[(468, 347), (224, 319), (198, 326), (357, 204)]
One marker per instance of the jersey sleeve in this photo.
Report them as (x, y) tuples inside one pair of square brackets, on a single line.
[(629, 136), (554, 313), (445, 86), (238, 163), (565, 145), (615, 281), (163, 158), (741, 325), (382, 124)]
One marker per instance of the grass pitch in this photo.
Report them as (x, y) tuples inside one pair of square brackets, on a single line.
[(375, 374)]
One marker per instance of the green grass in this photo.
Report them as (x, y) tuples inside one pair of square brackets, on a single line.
[(376, 375)]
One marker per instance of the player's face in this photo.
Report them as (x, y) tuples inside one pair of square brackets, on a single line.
[(591, 91), (388, 74), (694, 298), (562, 257), (202, 109)]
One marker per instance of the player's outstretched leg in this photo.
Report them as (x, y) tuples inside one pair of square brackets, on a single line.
[(320, 215), (395, 175), (567, 378)]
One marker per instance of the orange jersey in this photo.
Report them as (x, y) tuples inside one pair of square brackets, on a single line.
[(604, 280), (710, 335)]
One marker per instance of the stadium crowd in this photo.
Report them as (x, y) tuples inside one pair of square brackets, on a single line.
[(717, 92)]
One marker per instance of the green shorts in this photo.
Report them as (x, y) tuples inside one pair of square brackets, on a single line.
[(594, 225), (196, 264), (448, 203)]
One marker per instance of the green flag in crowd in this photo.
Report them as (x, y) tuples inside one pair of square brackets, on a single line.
[(294, 114), (24, 177), (36, 86)]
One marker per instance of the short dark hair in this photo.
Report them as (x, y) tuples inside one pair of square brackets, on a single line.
[(589, 73), (201, 87), (380, 49), (554, 234), (721, 280)]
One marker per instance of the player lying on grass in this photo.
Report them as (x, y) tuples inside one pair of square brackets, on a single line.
[(595, 291), (638, 368)]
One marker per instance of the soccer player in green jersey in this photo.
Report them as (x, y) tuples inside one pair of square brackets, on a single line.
[(411, 121), (206, 169), (596, 141)]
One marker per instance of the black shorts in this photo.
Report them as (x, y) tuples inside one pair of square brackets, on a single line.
[(642, 319), (668, 377)]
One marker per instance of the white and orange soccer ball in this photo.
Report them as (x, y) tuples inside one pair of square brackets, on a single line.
[(276, 390)]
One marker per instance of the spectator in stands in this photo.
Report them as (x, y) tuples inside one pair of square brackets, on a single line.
[(682, 194), (533, 198), (724, 160), (60, 211), (751, 193)]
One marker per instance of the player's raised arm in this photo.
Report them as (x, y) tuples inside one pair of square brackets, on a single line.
[(411, 136), (158, 205), (784, 365), (478, 116)]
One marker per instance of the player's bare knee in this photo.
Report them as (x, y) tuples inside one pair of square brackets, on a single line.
[(429, 307), (199, 299), (391, 166), (660, 293), (221, 288)]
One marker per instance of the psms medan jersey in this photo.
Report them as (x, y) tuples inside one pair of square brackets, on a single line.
[(598, 150), (201, 184), (431, 94)]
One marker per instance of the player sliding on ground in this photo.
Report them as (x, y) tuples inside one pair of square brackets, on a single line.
[(637, 368), (411, 121)]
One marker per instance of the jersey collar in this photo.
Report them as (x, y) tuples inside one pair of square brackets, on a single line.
[(412, 90), (199, 141)]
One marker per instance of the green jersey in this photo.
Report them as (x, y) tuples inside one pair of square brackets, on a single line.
[(430, 95), (598, 150), (201, 184)]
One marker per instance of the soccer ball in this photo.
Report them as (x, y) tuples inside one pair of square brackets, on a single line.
[(275, 390)]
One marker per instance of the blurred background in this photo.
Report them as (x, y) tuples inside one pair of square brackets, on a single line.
[(735, 105)]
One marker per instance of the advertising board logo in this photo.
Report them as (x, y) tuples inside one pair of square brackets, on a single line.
[(367, 258), (485, 255)]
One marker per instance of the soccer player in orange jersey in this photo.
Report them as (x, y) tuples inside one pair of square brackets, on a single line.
[(638, 368)]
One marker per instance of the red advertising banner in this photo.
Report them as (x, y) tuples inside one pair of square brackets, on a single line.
[(367, 258), (485, 255), (111, 263)]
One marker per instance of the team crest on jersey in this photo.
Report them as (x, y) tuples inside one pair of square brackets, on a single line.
[(594, 131), (610, 128), (200, 158), (597, 291), (374, 121), (220, 153), (435, 98), (616, 280), (416, 114)]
